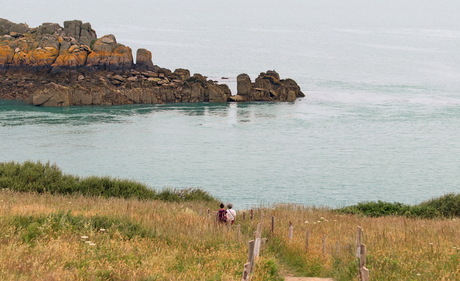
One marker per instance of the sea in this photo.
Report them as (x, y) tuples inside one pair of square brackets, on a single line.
[(380, 120)]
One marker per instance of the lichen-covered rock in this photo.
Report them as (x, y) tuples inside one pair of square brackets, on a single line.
[(74, 56), (6, 55), (58, 66), (109, 55)]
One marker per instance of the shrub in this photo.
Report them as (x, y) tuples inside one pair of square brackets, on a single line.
[(38, 177), (445, 206)]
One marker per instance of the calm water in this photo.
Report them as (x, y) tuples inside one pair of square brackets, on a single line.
[(380, 120)]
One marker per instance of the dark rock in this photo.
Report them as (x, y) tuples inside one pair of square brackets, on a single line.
[(182, 74), (244, 84), (144, 60)]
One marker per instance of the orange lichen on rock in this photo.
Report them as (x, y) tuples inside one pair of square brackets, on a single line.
[(108, 54), (6, 54), (43, 56), (75, 56)]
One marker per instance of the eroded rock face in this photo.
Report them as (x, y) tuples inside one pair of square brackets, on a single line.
[(59, 66)]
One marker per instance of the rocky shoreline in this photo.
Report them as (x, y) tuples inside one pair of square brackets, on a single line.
[(52, 65)]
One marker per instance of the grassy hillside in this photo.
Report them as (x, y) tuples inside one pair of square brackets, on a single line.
[(48, 234)]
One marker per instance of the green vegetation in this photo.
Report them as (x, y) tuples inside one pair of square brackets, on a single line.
[(445, 206), (32, 228), (48, 178)]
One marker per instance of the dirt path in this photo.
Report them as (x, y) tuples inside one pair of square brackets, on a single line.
[(307, 279)]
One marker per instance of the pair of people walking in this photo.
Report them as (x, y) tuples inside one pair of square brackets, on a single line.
[(226, 215)]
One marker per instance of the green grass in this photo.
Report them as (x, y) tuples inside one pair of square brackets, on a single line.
[(48, 178), (32, 228), (447, 206)]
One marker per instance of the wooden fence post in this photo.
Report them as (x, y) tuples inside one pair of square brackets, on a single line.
[(359, 240), (291, 231), (307, 241), (365, 274), (273, 225), (323, 241), (246, 271), (251, 215), (251, 245), (362, 258), (257, 236), (244, 216)]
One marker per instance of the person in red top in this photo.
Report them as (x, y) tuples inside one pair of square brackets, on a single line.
[(222, 214)]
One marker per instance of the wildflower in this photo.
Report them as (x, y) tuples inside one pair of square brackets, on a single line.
[(84, 237), (92, 244), (306, 221), (102, 230), (418, 274)]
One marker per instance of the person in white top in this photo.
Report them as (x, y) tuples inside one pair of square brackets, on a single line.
[(231, 214)]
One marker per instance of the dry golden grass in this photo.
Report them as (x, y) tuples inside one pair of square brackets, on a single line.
[(188, 245), (398, 248)]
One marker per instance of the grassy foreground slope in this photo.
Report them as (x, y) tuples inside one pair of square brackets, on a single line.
[(49, 235)]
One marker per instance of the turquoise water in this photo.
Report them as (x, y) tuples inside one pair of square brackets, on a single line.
[(380, 120)]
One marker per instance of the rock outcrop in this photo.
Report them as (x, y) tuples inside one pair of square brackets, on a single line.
[(267, 87), (59, 66)]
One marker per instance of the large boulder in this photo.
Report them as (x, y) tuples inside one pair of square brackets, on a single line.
[(8, 27), (48, 28), (182, 74), (267, 87), (144, 60), (82, 32), (217, 93), (51, 95), (107, 54), (74, 56), (244, 85)]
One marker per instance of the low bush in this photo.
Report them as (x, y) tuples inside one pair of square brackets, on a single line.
[(38, 177), (445, 206)]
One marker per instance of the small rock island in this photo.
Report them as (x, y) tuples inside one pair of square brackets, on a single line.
[(51, 65)]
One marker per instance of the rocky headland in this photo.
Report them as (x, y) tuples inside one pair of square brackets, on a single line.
[(51, 65)]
